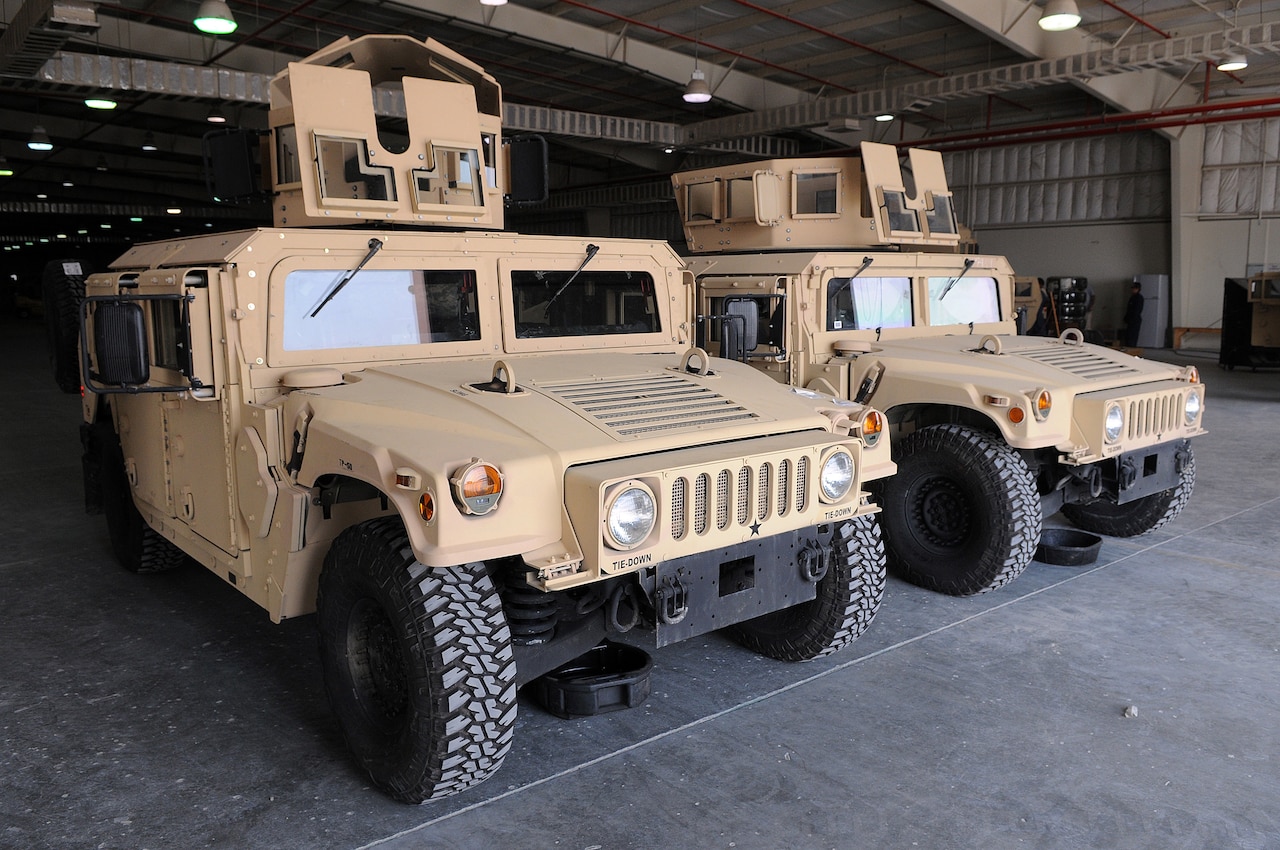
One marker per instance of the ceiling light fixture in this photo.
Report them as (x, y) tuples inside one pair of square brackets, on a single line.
[(215, 18), (39, 139), (215, 116), (149, 142), (884, 117), (99, 103), (493, 2), (1059, 15), (1233, 62), (5, 170), (697, 91)]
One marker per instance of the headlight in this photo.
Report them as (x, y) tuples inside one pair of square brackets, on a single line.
[(477, 487), (1113, 423), (630, 512), (1192, 409), (837, 475)]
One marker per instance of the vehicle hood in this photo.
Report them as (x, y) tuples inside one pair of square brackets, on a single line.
[(579, 407), (1020, 363)]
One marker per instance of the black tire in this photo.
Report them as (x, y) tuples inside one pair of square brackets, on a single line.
[(962, 515), (63, 294), (137, 546), (1104, 516), (417, 663), (848, 597)]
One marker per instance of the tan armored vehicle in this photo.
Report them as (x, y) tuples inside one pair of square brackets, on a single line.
[(839, 275), (474, 454)]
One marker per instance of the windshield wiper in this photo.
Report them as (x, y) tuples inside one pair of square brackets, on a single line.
[(968, 264), (866, 262), (375, 245), (591, 252)]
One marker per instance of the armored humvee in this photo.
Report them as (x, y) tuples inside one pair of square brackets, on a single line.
[(474, 454), (838, 275)]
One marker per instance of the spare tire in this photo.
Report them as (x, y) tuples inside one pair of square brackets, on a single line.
[(63, 290)]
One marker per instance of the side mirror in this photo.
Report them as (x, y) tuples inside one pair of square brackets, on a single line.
[(527, 170), (741, 324), (119, 344), (232, 172)]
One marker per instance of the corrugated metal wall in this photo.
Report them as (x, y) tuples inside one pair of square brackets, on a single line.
[(1241, 173), (1095, 180)]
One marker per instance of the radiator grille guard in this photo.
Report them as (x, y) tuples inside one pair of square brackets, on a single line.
[(710, 497)]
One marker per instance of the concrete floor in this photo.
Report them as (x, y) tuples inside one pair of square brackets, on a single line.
[(168, 712)]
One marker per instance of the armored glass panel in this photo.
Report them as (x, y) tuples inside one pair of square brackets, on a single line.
[(816, 193), (168, 335), (287, 167), (555, 304), (740, 198), (942, 218), (963, 301), (454, 181), (346, 173), (379, 307), (864, 303), (900, 216), (700, 201)]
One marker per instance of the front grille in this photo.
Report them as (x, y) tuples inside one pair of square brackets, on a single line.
[(1084, 363), (1154, 415), (639, 405), (725, 497)]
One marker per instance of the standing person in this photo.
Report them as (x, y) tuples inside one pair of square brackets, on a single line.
[(1133, 316)]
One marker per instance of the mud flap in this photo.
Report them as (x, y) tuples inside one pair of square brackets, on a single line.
[(1147, 471), (720, 588)]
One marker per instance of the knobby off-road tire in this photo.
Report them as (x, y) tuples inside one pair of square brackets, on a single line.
[(848, 597), (1104, 516), (417, 663), (63, 294), (137, 546), (962, 515)]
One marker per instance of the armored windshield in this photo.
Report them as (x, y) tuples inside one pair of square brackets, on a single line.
[(592, 304), (381, 307), (971, 300)]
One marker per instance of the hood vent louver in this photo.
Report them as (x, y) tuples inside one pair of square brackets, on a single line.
[(641, 405), (1085, 363)]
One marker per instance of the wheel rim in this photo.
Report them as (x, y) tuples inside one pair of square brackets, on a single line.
[(377, 664), (940, 512)]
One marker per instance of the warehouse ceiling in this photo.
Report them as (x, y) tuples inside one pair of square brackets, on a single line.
[(602, 81)]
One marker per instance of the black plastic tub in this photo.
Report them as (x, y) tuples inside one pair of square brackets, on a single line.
[(610, 677), (1068, 547)]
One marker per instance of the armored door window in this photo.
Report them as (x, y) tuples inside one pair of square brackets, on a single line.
[(963, 300), (868, 303), (901, 218), (379, 307)]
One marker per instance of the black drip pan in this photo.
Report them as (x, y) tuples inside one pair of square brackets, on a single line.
[(1068, 547), (610, 677)]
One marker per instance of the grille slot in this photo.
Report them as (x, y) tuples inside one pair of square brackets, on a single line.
[(1154, 415), (639, 405)]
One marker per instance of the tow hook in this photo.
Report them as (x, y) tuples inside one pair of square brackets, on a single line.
[(671, 600), (814, 562), (1127, 473), (1182, 457)]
